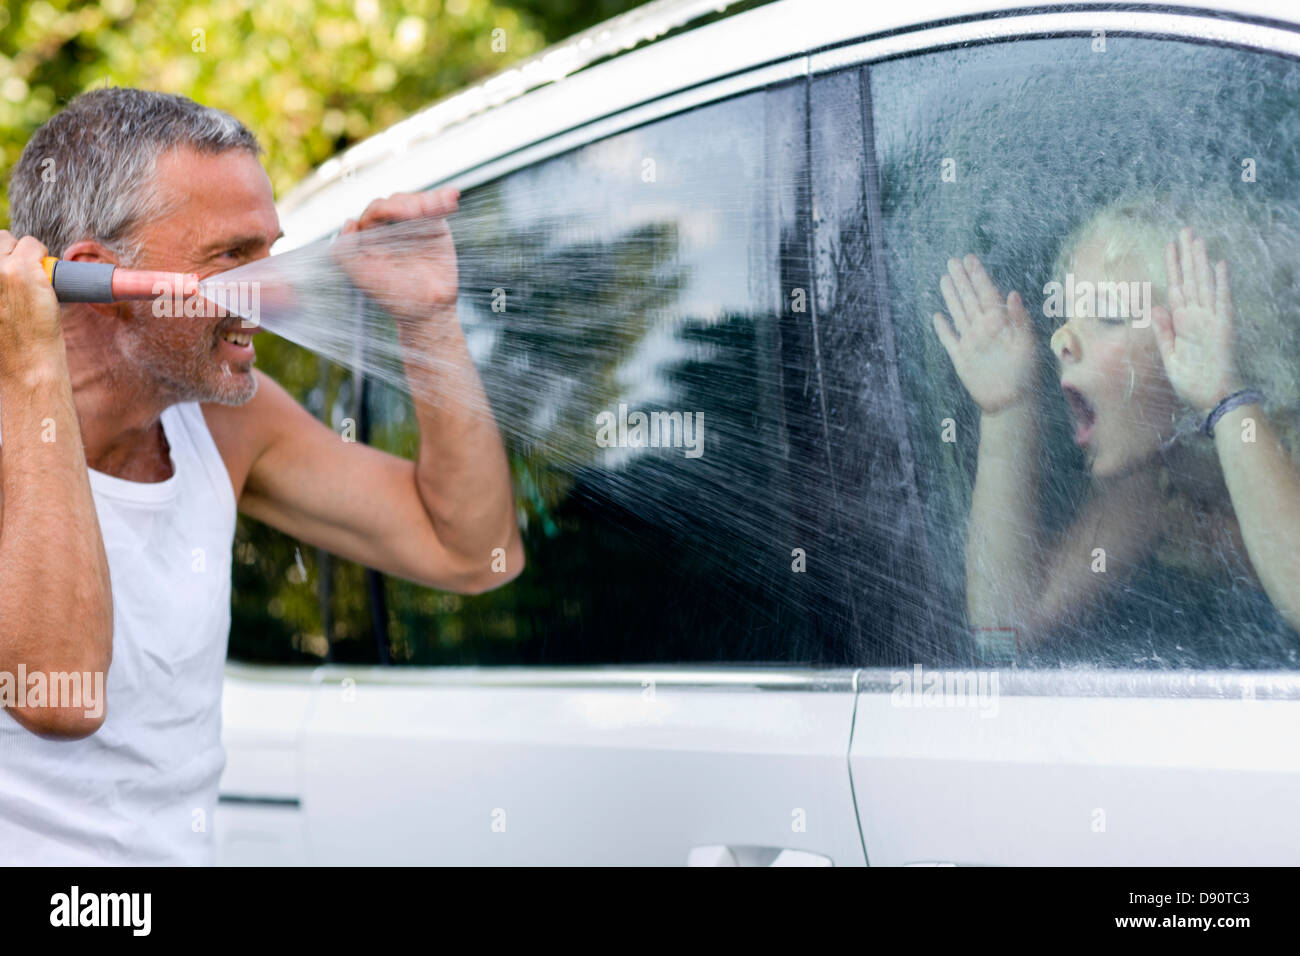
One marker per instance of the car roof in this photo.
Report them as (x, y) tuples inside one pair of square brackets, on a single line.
[(696, 52)]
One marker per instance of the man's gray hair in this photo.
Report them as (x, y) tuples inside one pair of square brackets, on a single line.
[(89, 172)]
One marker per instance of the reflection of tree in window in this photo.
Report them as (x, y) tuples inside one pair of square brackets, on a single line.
[(568, 316), (643, 554)]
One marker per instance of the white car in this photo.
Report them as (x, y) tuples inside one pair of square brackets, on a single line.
[(745, 638)]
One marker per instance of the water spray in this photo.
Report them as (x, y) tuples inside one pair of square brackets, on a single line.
[(339, 297), (346, 297)]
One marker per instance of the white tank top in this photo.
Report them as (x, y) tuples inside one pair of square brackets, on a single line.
[(142, 789)]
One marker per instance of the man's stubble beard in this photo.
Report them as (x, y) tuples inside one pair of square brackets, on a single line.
[(181, 368)]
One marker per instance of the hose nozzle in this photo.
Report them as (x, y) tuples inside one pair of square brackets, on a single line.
[(105, 282)]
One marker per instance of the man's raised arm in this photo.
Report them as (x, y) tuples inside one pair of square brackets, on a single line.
[(56, 606), (448, 520)]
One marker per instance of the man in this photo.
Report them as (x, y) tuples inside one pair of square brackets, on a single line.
[(129, 441)]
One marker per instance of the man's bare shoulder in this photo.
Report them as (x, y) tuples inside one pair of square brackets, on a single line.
[(243, 432)]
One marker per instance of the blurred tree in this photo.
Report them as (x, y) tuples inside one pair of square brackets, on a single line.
[(308, 76), (558, 19)]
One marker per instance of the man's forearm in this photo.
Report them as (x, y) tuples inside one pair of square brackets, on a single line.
[(462, 473)]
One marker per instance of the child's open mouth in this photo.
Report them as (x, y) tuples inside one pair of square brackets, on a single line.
[(1082, 412)]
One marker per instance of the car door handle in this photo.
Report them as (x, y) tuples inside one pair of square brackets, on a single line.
[(719, 855)]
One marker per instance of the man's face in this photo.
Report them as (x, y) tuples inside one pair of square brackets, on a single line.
[(224, 217)]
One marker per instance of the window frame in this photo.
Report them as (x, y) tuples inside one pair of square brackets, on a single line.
[(1224, 28)]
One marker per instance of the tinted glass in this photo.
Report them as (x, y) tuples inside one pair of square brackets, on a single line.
[(639, 311)]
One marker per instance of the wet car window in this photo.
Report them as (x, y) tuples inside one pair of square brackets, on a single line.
[(1086, 248), (637, 309)]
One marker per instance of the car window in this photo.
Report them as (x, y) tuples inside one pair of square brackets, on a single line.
[(638, 311), (1064, 506)]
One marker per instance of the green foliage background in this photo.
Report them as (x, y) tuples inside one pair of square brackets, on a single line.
[(309, 77)]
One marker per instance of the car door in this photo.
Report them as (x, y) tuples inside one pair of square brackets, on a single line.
[(668, 680), (1155, 719)]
